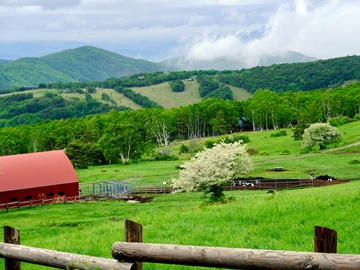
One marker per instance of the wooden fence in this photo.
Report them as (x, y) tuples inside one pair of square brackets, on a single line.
[(132, 253), (18, 204), (237, 185)]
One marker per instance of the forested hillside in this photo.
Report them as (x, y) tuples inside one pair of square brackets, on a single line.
[(296, 77), (24, 108), (279, 78), (131, 135)]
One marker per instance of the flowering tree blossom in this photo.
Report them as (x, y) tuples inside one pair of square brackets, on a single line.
[(321, 134), (212, 168)]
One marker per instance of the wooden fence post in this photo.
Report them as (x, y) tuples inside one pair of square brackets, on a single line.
[(325, 240), (133, 233), (12, 236)]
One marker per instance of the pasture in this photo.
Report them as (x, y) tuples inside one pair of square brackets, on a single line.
[(283, 220)]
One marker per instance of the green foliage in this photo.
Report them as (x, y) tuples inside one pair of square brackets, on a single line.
[(355, 161), (223, 92), (279, 133), (207, 84), (177, 86), (338, 121), (296, 77), (210, 143), (285, 152), (252, 151), (299, 131), (184, 149), (140, 99), (91, 90)]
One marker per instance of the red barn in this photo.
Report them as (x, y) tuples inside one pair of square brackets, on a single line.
[(37, 176)]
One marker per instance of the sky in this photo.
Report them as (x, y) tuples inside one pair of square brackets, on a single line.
[(202, 29)]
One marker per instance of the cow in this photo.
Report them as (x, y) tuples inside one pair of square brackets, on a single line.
[(326, 178)]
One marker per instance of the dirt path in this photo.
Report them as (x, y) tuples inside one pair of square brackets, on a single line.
[(341, 147)]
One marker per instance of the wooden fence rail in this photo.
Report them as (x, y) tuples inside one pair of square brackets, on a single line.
[(234, 258), (131, 253), (29, 203), (57, 259)]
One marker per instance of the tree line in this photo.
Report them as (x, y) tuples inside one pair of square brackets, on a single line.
[(121, 136), (330, 73)]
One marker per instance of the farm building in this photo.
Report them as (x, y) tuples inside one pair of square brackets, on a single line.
[(37, 176)]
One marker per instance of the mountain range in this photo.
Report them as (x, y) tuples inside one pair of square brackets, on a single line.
[(89, 63)]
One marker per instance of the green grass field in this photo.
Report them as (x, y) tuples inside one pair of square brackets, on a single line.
[(296, 164), (160, 93), (280, 221), (283, 220)]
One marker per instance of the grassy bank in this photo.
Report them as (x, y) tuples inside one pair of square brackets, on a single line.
[(283, 220), (270, 154), (280, 221)]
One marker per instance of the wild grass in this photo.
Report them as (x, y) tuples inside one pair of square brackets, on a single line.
[(281, 221), (162, 94), (295, 163)]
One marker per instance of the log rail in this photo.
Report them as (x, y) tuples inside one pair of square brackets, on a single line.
[(234, 258)]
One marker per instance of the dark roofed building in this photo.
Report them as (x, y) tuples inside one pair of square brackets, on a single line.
[(37, 176)]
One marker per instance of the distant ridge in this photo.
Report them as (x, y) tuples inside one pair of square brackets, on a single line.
[(89, 63), (233, 62), (74, 65), (3, 61)]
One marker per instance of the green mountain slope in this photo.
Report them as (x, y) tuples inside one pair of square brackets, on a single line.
[(3, 61), (76, 65), (94, 64), (29, 71)]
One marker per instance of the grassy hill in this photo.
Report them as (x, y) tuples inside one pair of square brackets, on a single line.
[(283, 220), (75, 65), (163, 95), (271, 152)]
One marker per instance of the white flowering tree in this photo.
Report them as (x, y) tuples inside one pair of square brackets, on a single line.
[(212, 168), (321, 134)]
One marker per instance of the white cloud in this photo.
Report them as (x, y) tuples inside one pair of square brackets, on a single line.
[(204, 28), (326, 30)]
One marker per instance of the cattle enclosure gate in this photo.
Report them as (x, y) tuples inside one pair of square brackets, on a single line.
[(131, 254)]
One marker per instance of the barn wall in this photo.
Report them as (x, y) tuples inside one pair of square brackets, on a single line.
[(69, 190)]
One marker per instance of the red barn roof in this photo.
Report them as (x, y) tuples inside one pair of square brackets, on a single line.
[(35, 170)]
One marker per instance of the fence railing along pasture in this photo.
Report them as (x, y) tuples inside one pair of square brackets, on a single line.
[(236, 185), (29, 203), (131, 254)]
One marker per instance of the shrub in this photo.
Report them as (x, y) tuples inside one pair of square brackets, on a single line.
[(263, 153), (209, 144), (338, 121), (355, 161), (237, 138), (177, 86), (252, 151), (285, 152), (165, 158), (184, 149), (279, 133)]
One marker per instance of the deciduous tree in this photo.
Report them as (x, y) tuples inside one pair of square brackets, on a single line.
[(321, 134), (212, 168)]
